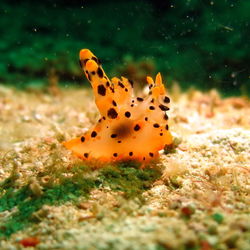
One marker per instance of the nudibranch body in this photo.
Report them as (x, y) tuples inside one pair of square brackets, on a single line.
[(130, 128)]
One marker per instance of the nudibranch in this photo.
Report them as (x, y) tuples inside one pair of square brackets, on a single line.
[(129, 128)]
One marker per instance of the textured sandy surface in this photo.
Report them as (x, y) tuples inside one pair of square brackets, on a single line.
[(200, 199)]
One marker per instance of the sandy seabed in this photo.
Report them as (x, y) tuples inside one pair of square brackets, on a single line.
[(197, 198)]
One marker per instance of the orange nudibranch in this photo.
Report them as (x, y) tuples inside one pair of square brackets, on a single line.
[(129, 128)]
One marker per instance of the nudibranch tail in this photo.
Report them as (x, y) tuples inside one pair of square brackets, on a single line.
[(130, 128)]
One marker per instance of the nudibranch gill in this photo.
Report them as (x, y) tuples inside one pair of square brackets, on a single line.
[(130, 128)]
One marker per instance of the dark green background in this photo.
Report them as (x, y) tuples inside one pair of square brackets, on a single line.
[(197, 43)]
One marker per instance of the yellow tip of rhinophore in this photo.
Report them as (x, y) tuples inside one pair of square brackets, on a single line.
[(85, 53), (115, 80), (158, 79), (124, 79), (91, 65), (149, 80)]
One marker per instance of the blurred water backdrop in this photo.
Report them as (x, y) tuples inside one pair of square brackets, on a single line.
[(195, 43)]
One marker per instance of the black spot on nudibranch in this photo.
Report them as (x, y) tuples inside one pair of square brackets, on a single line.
[(83, 62), (146, 119), (112, 113), (151, 107), (165, 117), (163, 107), (86, 155), (121, 84), (114, 103), (96, 60), (100, 72), (166, 127), (93, 134), (115, 154), (113, 136), (136, 127), (156, 125), (130, 153), (151, 154), (127, 114), (166, 99), (101, 90), (82, 139), (139, 99)]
